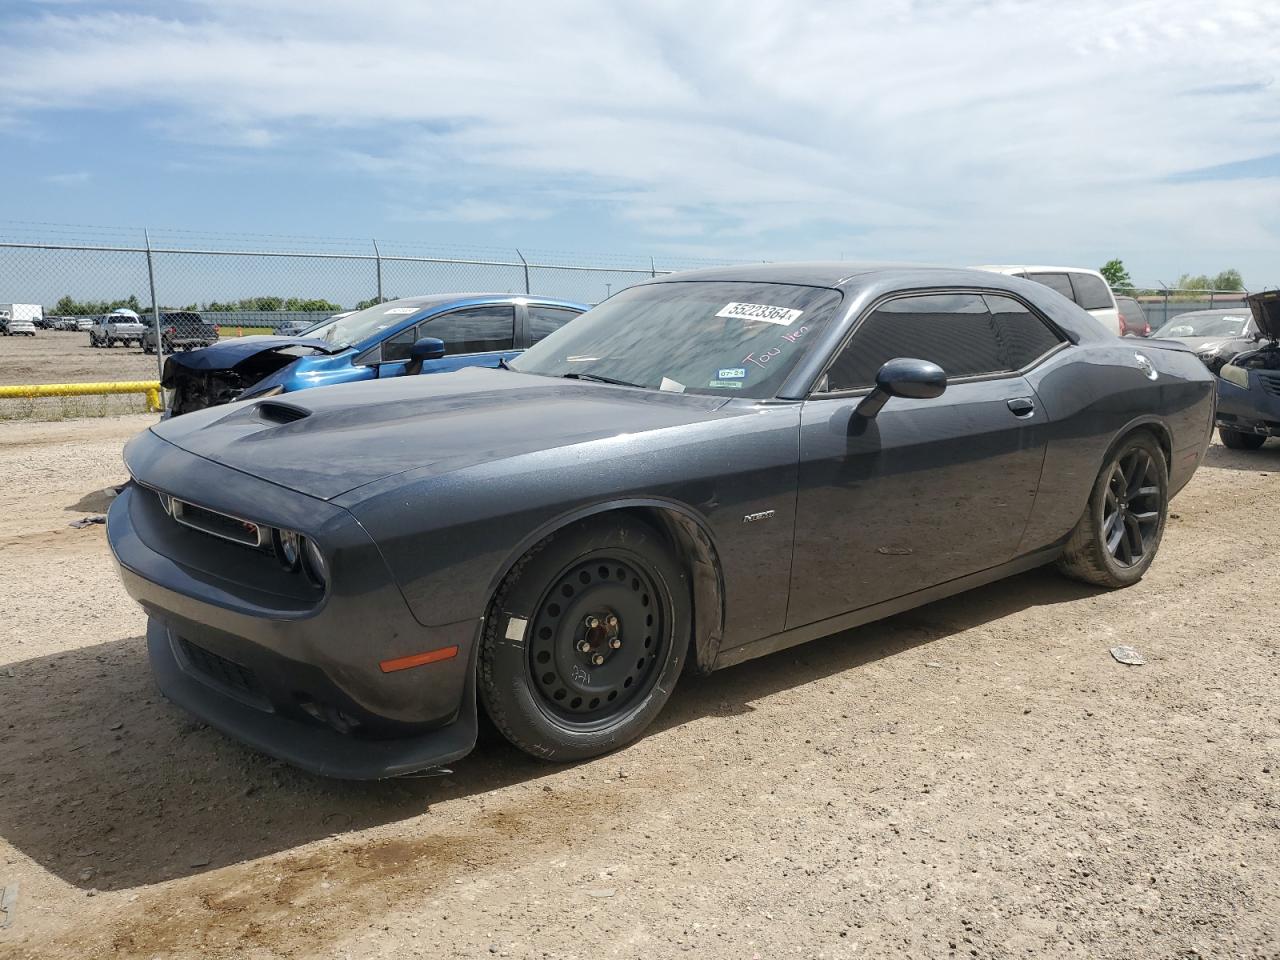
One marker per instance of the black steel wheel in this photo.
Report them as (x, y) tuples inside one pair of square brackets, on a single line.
[(585, 639), (1116, 539)]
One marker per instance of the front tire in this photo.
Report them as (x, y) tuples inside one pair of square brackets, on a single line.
[(1116, 540), (1237, 440), (585, 639)]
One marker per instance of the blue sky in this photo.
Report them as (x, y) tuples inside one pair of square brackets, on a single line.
[(932, 130)]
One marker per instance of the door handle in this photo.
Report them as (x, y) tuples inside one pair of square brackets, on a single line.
[(1022, 406)]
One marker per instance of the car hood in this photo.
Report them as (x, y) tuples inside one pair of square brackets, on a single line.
[(1202, 344), (227, 353), (1266, 312), (328, 442)]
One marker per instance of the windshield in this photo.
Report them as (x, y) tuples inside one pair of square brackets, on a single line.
[(733, 339), (1230, 323), (354, 327)]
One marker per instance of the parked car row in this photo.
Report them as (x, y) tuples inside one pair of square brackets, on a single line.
[(578, 506)]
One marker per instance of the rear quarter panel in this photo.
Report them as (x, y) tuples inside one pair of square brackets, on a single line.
[(1095, 393)]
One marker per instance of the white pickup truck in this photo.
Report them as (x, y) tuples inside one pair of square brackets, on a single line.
[(121, 326)]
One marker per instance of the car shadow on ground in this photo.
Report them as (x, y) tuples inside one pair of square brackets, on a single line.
[(108, 786), (1263, 460)]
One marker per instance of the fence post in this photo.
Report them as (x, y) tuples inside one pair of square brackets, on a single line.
[(653, 270), (1211, 294), (155, 315), (377, 259), (1166, 304), (527, 291)]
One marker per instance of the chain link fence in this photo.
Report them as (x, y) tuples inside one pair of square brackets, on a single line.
[(246, 284)]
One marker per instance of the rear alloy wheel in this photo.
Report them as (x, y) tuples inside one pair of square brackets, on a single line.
[(1238, 440), (1116, 540), (585, 639)]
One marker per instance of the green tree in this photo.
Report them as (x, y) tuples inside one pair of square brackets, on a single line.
[(1194, 281), (1229, 279), (1116, 275)]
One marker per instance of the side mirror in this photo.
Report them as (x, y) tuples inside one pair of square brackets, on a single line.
[(903, 377), (428, 348)]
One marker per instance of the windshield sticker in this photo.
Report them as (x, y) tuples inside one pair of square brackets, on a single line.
[(394, 310), (731, 373), (726, 384), (783, 316), (671, 386)]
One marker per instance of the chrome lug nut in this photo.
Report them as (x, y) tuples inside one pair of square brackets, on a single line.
[(597, 659), (612, 621), (616, 643), (592, 623), (584, 646)]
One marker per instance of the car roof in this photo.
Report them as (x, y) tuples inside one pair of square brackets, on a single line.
[(1034, 268), (829, 273), (436, 299), (1242, 310)]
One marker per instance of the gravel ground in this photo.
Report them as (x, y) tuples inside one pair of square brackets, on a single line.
[(975, 778), (60, 356)]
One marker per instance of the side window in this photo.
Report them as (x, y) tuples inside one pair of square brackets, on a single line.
[(1058, 281), (954, 331), (546, 320), (473, 329), (1092, 292), (1023, 335), (397, 347)]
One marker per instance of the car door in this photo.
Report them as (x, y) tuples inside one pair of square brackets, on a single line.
[(927, 490), (477, 336)]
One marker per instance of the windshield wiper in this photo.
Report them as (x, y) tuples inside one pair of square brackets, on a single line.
[(502, 363), (599, 379)]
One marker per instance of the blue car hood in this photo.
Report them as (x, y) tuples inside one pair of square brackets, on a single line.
[(225, 354)]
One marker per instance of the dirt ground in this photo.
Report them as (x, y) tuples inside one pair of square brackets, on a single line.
[(61, 356), (975, 778)]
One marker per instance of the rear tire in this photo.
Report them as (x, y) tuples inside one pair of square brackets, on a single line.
[(1116, 540), (1238, 440), (564, 689)]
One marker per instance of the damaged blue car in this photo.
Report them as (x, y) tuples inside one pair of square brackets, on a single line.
[(408, 336)]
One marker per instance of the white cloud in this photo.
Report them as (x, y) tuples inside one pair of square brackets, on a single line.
[(68, 179), (949, 130)]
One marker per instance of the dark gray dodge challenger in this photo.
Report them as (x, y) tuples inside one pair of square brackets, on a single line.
[(702, 469)]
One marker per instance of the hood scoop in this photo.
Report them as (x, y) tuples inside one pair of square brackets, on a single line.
[(273, 411)]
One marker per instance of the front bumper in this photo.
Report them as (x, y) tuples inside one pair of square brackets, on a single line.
[(313, 747), (1253, 410), (290, 670)]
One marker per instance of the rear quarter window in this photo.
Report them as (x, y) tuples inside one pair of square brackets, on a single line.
[(1057, 281), (1092, 292)]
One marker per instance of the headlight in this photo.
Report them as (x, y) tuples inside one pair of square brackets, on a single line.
[(1237, 375), (288, 548), (315, 563)]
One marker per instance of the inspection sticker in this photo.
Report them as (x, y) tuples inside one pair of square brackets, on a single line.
[(395, 310), (783, 316), (732, 373), (515, 628), (726, 384)]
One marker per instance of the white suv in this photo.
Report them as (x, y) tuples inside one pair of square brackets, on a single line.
[(1085, 287)]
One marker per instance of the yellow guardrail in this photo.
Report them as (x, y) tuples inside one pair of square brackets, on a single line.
[(26, 391)]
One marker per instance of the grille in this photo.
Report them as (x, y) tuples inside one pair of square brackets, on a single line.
[(1270, 383), (223, 672), (213, 523)]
